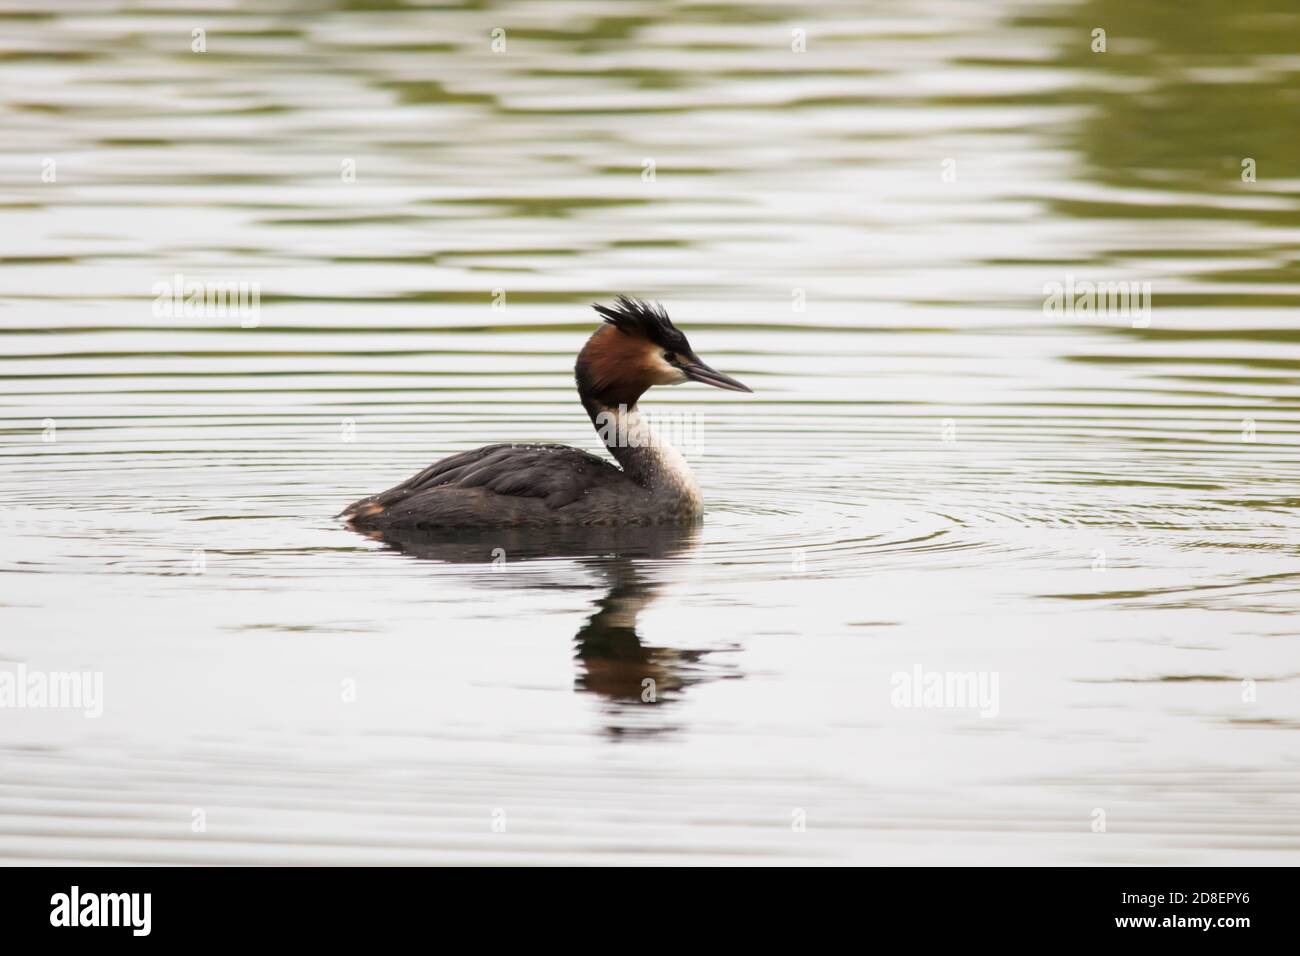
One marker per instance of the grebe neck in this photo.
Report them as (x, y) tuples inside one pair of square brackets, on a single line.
[(647, 458)]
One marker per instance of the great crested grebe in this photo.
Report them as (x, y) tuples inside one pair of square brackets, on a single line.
[(554, 485)]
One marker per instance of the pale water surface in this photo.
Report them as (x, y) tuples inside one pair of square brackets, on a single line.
[(931, 473)]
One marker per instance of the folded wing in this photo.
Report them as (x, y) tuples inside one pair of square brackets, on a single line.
[(556, 474)]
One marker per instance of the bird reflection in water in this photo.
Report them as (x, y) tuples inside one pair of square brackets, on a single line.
[(612, 660)]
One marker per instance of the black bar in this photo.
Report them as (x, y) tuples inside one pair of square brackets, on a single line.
[(334, 906)]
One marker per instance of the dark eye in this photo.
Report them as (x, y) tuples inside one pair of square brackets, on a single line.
[(670, 358)]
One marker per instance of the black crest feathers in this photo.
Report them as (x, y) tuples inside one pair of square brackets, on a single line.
[(644, 319)]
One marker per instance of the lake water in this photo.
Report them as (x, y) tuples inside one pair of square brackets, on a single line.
[(936, 474)]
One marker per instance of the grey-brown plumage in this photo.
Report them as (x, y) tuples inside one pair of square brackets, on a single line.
[(507, 485), (536, 485)]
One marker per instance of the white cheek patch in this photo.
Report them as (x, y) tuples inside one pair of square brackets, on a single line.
[(665, 372)]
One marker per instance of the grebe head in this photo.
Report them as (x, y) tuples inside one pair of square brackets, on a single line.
[(636, 348)]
